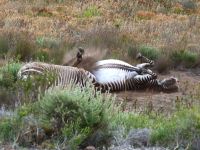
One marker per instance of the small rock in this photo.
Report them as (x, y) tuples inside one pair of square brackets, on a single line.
[(121, 147), (187, 4), (138, 137), (90, 148)]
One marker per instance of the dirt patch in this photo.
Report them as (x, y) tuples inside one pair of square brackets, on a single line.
[(159, 101)]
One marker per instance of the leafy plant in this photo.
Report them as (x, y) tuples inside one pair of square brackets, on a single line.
[(7, 131), (132, 51), (51, 49), (186, 58), (69, 116), (149, 52), (73, 111), (4, 46), (91, 11), (24, 49), (40, 41), (8, 74), (41, 55), (183, 125)]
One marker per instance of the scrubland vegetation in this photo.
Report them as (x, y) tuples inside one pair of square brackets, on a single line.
[(75, 118), (166, 31)]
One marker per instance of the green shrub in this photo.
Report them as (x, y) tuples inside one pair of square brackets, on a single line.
[(132, 51), (186, 58), (91, 11), (189, 5), (48, 42), (41, 56), (40, 41), (7, 130), (130, 121), (4, 46), (78, 111), (73, 114), (149, 52), (24, 49), (8, 74), (182, 125), (52, 49), (8, 78)]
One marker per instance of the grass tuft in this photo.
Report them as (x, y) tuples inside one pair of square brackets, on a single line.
[(7, 131), (186, 58), (149, 52), (8, 74), (91, 11), (4, 46), (41, 55)]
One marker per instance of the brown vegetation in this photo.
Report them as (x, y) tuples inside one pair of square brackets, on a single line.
[(113, 24)]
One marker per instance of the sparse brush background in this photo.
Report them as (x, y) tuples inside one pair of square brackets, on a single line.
[(47, 30), (167, 31)]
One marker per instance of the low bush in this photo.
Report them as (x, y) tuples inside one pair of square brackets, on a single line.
[(70, 116), (133, 51), (75, 114), (8, 132), (24, 50), (75, 118), (149, 52), (8, 78), (41, 55), (91, 11), (17, 45), (51, 49), (4, 46), (8, 74), (182, 127), (40, 41), (186, 58)]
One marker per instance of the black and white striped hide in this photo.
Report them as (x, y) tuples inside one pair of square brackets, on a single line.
[(114, 70), (63, 75), (116, 75)]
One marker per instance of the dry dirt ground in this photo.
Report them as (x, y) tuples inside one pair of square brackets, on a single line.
[(163, 102)]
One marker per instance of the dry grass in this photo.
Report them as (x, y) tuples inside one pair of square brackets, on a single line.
[(113, 25)]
